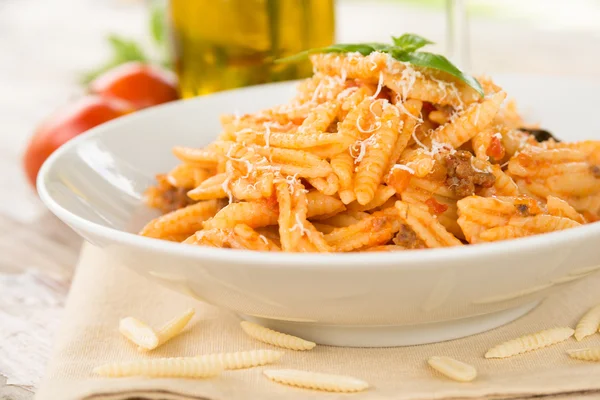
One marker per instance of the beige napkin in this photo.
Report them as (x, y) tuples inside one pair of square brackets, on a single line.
[(102, 293)]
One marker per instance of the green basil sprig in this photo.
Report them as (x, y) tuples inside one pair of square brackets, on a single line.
[(404, 49)]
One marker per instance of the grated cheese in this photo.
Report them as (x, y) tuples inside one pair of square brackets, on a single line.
[(497, 135), (379, 86), (267, 134), (225, 186), (404, 168), (362, 148), (299, 224)]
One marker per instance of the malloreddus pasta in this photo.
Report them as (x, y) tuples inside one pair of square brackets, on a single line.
[(375, 154)]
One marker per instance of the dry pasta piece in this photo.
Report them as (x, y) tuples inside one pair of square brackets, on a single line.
[(316, 381), (174, 367), (254, 214), (427, 228), (592, 354), (243, 359), (183, 222), (174, 327), (138, 332), (530, 342), (275, 338), (187, 176), (475, 118), (453, 369), (373, 230), (376, 156), (589, 323)]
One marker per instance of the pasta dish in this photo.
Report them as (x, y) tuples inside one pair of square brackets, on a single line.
[(376, 154)]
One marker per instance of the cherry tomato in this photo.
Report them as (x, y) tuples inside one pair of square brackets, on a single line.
[(65, 124), (139, 84)]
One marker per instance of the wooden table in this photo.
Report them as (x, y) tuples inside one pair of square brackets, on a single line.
[(44, 47)]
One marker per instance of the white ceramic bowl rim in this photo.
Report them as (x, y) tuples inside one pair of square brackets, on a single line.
[(280, 259)]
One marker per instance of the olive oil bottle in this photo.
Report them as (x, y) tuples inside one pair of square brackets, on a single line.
[(224, 44)]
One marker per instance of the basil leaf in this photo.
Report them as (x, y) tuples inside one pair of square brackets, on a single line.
[(363, 48), (158, 27), (410, 42), (439, 62)]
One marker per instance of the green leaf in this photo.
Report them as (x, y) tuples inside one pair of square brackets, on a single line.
[(123, 50), (126, 49), (410, 42), (439, 62), (158, 27), (363, 48)]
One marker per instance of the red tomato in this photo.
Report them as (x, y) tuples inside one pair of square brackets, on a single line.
[(65, 124), (139, 84), (435, 207)]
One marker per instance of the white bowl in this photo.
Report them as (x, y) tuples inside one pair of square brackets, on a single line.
[(95, 185)]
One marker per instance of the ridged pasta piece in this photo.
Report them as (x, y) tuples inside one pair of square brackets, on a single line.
[(343, 167), (353, 67), (207, 157), (475, 118), (183, 222), (328, 185), (374, 230), (138, 333), (453, 369), (322, 206), (240, 237), (503, 185), (175, 367), (275, 338), (215, 187), (316, 381), (426, 226), (254, 214), (370, 169), (411, 83), (320, 117), (243, 359), (560, 208), (345, 219), (589, 324), (187, 176), (318, 89), (412, 110), (174, 327), (382, 194), (296, 162), (420, 162), (293, 206), (592, 354), (384, 248), (503, 233), (543, 223), (530, 342)]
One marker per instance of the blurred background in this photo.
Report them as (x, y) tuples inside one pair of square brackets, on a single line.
[(49, 50)]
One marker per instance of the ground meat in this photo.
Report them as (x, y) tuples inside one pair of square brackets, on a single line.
[(523, 209), (408, 239), (166, 197), (595, 170), (462, 178)]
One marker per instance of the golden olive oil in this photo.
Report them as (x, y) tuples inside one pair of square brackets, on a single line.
[(224, 44)]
